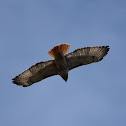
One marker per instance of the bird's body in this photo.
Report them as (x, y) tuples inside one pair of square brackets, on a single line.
[(58, 53), (61, 64)]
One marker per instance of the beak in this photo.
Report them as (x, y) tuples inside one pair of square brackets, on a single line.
[(65, 77)]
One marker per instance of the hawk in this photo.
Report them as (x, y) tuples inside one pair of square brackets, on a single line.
[(61, 64)]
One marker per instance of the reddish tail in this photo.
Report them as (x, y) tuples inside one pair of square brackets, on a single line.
[(58, 49)]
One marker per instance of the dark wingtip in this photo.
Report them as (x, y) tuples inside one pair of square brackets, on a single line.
[(108, 48), (13, 81)]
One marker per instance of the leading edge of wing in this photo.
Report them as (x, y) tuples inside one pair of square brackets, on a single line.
[(87, 55), (36, 73)]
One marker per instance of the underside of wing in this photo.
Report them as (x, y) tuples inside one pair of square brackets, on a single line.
[(86, 56), (36, 73)]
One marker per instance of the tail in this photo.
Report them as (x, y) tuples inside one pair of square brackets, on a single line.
[(58, 49)]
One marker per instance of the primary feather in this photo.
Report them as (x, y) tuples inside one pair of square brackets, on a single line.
[(36, 73), (87, 55)]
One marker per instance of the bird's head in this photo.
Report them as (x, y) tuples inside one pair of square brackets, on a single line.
[(64, 75)]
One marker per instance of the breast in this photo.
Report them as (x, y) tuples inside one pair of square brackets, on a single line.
[(61, 62)]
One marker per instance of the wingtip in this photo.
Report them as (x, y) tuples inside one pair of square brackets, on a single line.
[(13, 81), (108, 48)]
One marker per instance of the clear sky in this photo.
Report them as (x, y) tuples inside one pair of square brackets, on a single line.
[(94, 95)]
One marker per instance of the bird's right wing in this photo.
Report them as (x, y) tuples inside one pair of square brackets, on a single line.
[(86, 56), (36, 73)]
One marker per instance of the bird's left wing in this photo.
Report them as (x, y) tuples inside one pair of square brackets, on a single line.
[(36, 73), (86, 56)]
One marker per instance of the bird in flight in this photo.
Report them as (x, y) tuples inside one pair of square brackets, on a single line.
[(61, 64)]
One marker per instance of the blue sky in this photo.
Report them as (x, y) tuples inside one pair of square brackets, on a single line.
[(94, 95)]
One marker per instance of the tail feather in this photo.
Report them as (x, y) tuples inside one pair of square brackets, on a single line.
[(58, 49)]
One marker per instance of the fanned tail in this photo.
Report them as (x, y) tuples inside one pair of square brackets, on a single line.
[(58, 49)]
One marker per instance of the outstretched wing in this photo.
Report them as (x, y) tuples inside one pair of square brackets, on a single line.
[(86, 56), (36, 73)]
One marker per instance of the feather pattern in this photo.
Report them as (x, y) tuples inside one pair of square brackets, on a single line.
[(36, 73), (86, 55)]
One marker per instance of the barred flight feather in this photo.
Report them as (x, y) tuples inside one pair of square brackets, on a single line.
[(29, 77)]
